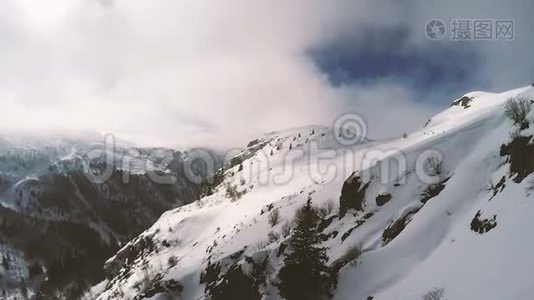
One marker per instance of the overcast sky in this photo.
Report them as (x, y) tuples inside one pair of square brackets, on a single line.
[(186, 73)]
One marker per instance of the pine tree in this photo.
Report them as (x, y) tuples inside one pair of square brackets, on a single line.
[(24, 289), (290, 146), (305, 275), (5, 262)]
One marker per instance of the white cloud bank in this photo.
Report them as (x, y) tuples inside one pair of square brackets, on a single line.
[(184, 73)]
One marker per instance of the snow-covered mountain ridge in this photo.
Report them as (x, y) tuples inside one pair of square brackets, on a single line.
[(61, 218), (463, 233)]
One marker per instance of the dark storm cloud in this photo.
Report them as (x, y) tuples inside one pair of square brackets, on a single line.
[(386, 54)]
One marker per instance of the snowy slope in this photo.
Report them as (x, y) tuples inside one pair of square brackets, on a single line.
[(464, 229)]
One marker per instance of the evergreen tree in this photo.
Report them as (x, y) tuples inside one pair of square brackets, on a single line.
[(305, 275), (24, 289), (5, 262)]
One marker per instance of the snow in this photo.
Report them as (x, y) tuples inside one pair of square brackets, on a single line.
[(437, 248), (432, 251)]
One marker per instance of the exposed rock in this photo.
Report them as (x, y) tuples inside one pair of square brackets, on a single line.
[(397, 226), (382, 199), (433, 190), (352, 195), (483, 225), (521, 153), (463, 102)]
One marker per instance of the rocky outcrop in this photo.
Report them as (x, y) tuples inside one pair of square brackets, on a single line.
[(352, 195)]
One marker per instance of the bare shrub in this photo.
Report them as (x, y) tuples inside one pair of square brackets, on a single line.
[(148, 279), (434, 165), (350, 257), (490, 187), (435, 294), (326, 209), (517, 110), (233, 193), (286, 230), (274, 217), (117, 293), (172, 261)]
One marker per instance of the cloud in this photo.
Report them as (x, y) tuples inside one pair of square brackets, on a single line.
[(389, 109), (386, 54), (185, 73)]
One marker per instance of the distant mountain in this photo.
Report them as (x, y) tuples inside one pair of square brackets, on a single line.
[(67, 205), (444, 212)]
